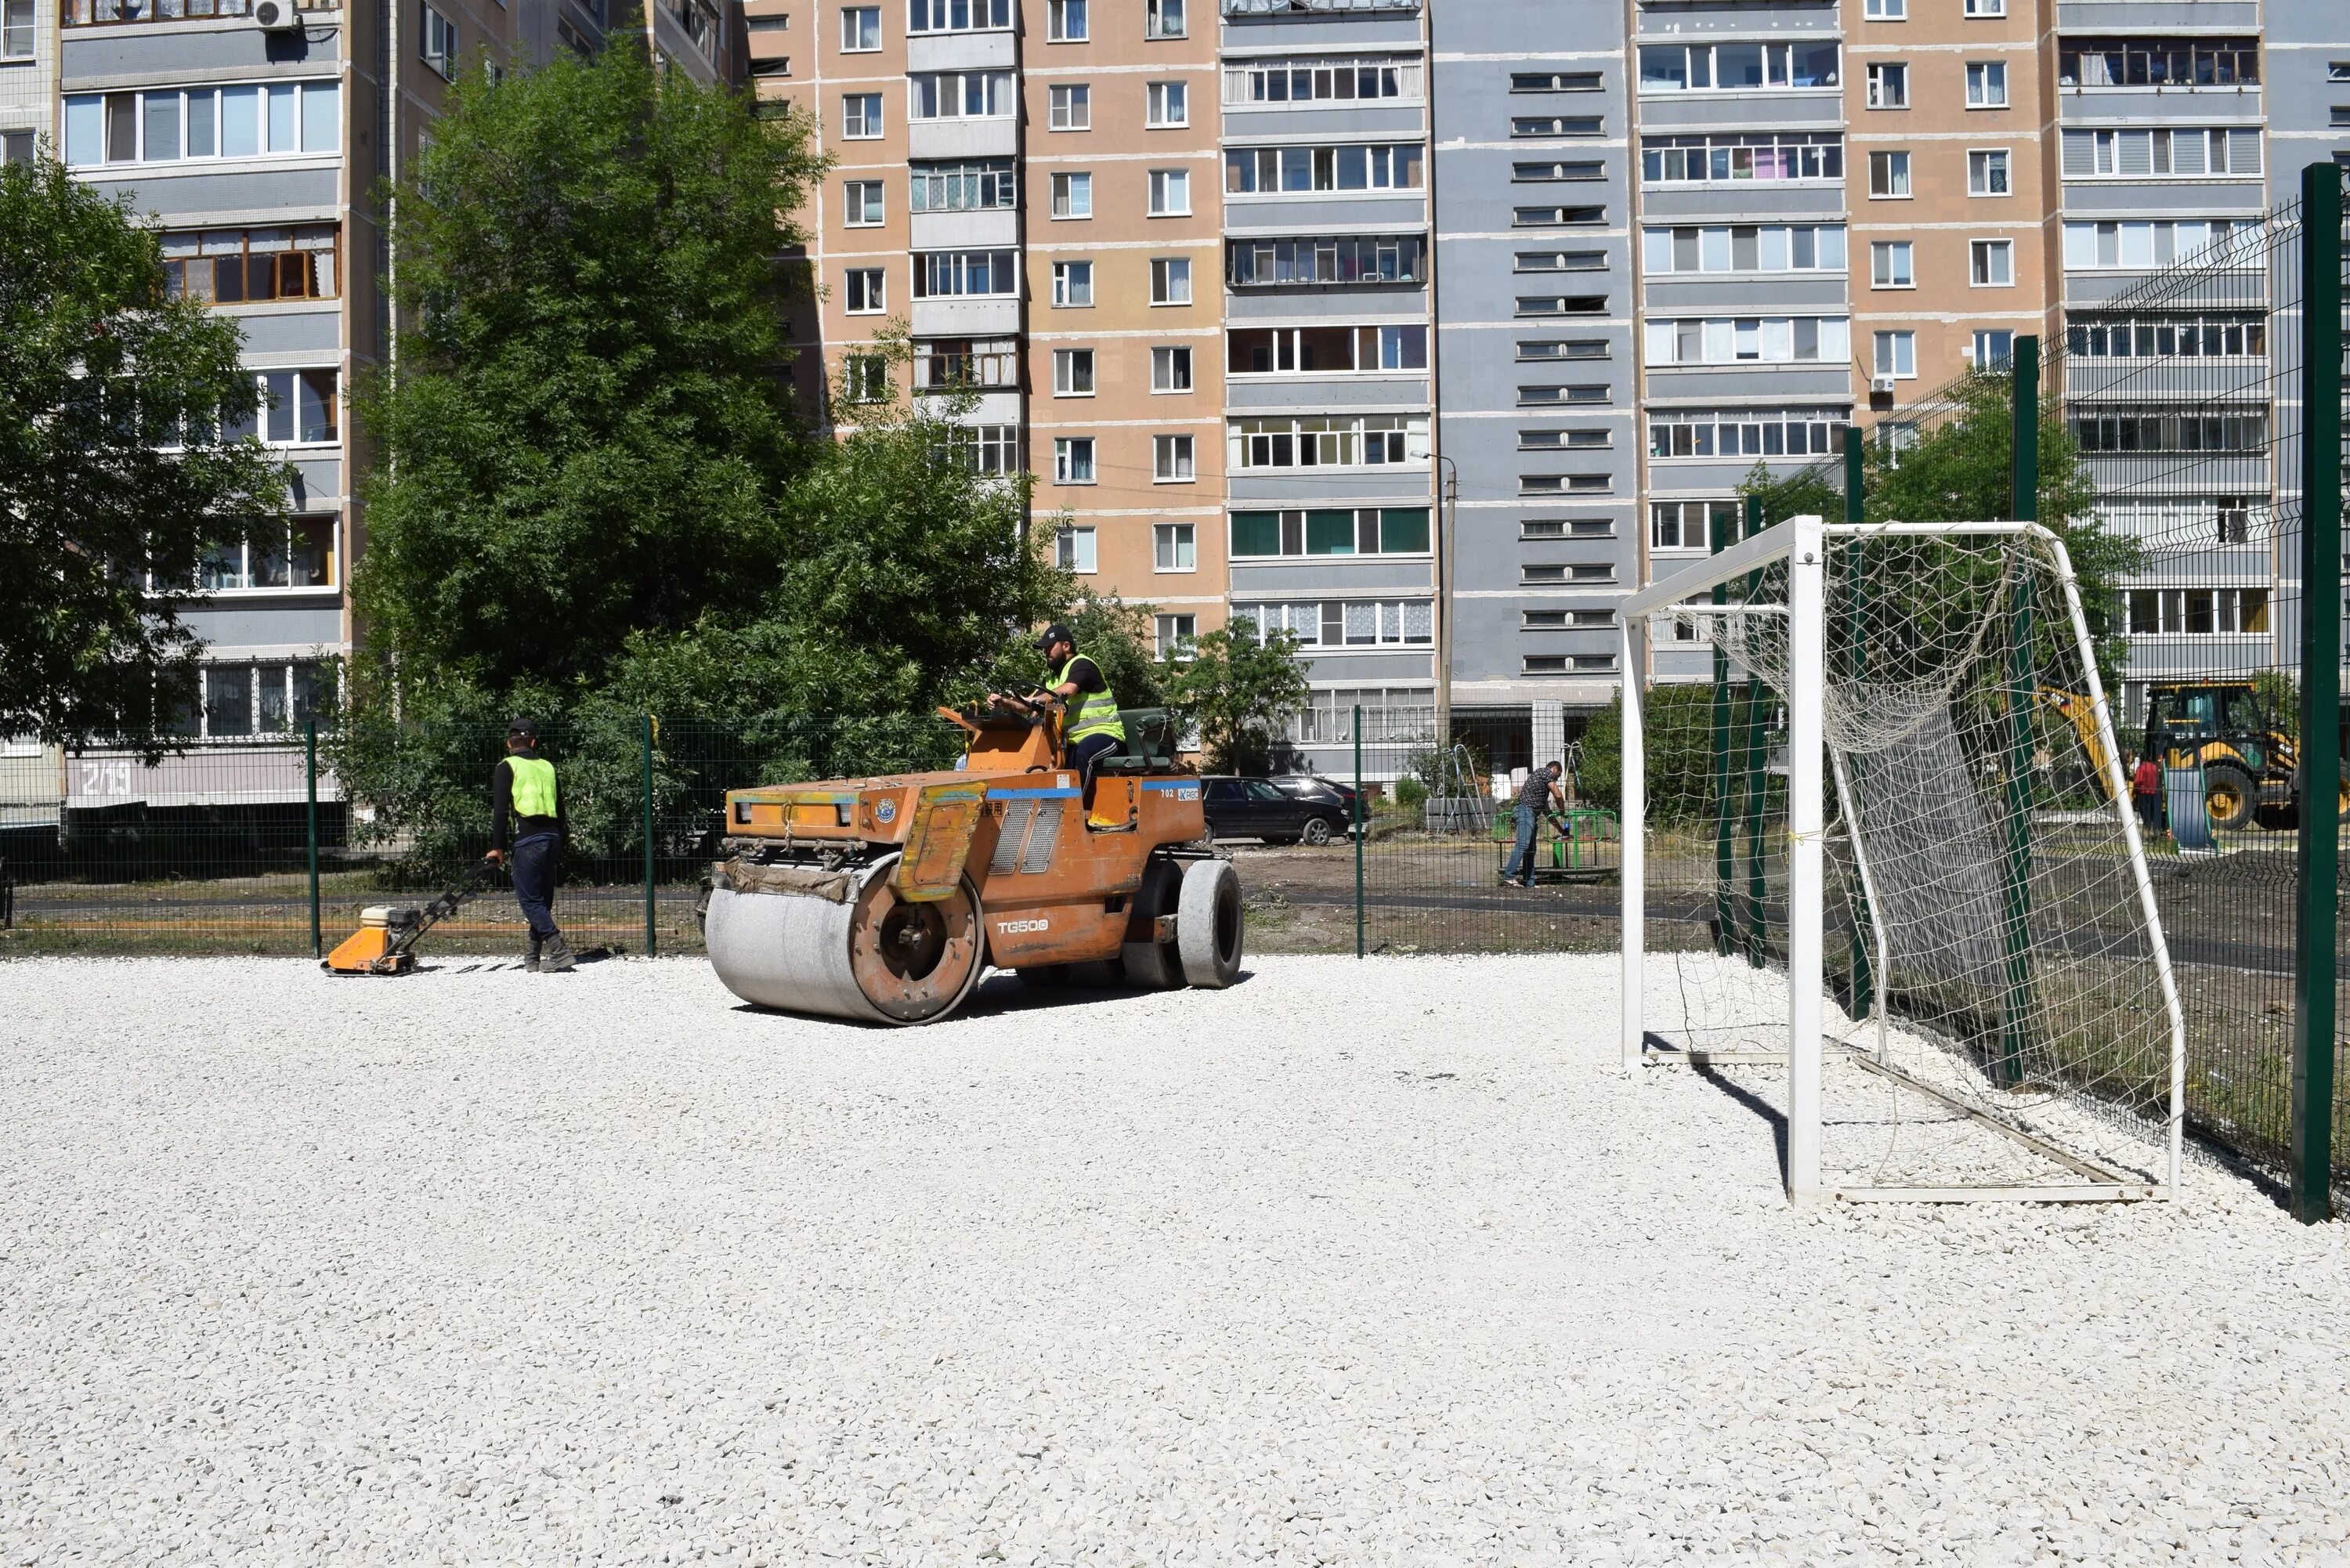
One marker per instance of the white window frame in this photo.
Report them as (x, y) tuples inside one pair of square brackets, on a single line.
[(1174, 635), (1069, 106), (874, 286), (438, 45), (1978, 349), (1897, 159), (1892, 264), (1159, 98), (1068, 277), (1072, 194), (1174, 547), (1074, 455), (2000, 157), (861, 117), (852, 30), (1166, 273), (1166, 19), (1173, 459), (1886, 349), (1886, 10), (1072, 366), (1974, 9), (1170, 192), (1980, 252), (1073, 549), (865, 377), (1883, 74), (1982, 77), (1163, 360), (19, 29), (1058, 14), (862, 204)]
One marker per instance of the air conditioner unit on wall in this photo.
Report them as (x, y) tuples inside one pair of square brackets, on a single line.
[(275, 16), (1877, 384)]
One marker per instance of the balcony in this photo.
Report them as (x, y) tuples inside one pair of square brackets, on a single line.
[(1277, 8), (106, 13)]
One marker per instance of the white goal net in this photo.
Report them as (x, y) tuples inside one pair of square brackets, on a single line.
[(1879, 849)]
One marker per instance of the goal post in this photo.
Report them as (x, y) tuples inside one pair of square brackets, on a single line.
[(1944, 787)]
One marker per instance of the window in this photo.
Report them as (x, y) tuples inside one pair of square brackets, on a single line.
[(1896, 354), (986, 450), (864, 291), (1261, 170), (1560, 261), (1069, 107), (439, 46), (1889, 175), (1558, 397), (1171, 280), (865, 379), (1991, 263), (960, 95), (1569, 528), (1170, 192), (862, 208), (1563, 441), (1535, 128), (957, 15), (1992, 348), (1689, 524), (1555, 82), (1329, 441), (860, 116), (1732, 68), (1553, 174), (1746, 432), (17, 30), (2155, 61), (1163, 19), (861, 28), (1564, 484), (1888, 85), (1702, 160), (1073, 548), (2169, 337), (277, 120), (1346, 623), (1985, 9), (299, 408), (1330, 259), (1171, 369), (1167, 104), (297, 553), (979, 186), (1170, 460), (2171, 431), (1767, 339), (2192, 153), (957, 364), (1173, 635), (1531, 305), (2203, 612), (1576, 348), (1743, 248), (944, 274), (1987, 173), (1073, 283), (234, 700), (1174, 548), (2337, 71), (2094, 246), (1556, 217), (1888, 265), (15, 147), (1986, 84), (1066, 22), (1325, 350), (1887, 10), (251, 266), (1289, 80), (1345, 531), (1073, 463), (1073, 195), (1073, 372)]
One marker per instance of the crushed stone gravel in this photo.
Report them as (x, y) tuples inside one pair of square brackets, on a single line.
[(1356, 1263)]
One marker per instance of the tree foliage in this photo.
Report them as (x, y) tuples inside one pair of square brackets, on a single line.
[(1234, 691), (116, 470)]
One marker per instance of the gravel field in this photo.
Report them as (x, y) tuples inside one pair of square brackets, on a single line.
[(1355, 1263)]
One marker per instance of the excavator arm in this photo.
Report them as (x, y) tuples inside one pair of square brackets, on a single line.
[(2079, 713)]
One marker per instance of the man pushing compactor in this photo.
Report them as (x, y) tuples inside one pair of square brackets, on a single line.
[(523, 800)]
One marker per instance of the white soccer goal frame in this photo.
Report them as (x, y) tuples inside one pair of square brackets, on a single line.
[(1801, 543)]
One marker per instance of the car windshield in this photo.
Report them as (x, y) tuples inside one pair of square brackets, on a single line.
[(1263, 791)]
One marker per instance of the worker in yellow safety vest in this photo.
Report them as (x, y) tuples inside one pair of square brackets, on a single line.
[(525, 805), (1091, 725)]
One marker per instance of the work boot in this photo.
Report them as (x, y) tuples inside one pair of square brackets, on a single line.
[(530, 960), (559, 959)]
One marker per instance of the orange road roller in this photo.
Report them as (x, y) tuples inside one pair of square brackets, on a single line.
[(884, 900)]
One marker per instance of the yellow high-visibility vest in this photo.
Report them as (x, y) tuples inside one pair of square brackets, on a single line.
[(534, 785)]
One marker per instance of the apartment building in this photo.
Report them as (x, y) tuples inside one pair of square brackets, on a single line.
[(29, 79)]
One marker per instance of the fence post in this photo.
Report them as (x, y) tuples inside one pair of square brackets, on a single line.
[(650, 925), (1358, 830), (310, 770), (1725, 852), (1758, 781), (2015, 1006), (2315, 906)]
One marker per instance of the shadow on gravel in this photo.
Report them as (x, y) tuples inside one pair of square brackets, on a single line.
[(999, 994), (1755, 1103)]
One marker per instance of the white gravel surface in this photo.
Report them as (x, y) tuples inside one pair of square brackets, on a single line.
[(1356, 1263)]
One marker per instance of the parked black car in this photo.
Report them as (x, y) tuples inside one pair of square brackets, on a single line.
[(1259, 808)]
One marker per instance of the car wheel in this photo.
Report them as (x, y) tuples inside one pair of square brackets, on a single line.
[(1316, 831)]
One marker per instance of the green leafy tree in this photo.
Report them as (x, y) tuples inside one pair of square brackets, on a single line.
[(1234, 690), (119, 467)]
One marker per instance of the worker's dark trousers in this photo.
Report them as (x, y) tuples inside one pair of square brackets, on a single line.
[(533, 862), (1522, 856)]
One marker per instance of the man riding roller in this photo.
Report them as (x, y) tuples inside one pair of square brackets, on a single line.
[(522, 798), (1091, 725)]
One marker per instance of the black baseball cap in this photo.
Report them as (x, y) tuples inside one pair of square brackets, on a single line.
[(522, 727), (1055, 633)]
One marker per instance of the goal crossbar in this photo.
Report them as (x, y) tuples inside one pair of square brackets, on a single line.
[(1801, 544)]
